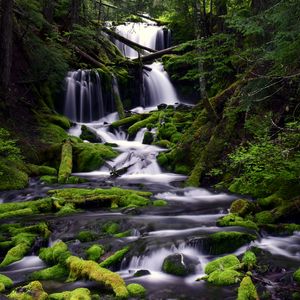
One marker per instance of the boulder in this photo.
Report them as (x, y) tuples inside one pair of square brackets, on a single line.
[(179, 265)]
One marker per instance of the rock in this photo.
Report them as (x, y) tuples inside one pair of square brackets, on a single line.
[(141, 273), (162, 106), (33, 291), (222, 263), (148, 138), (136, 290), (179, 264), (247, 290), (88, 135), (242, 207)]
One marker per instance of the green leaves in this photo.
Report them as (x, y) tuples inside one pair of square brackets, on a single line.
[(8, 147)]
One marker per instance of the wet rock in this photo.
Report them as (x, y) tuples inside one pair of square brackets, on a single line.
[(141, 273), (148, 138), (162, 106), (88, 135), (179, 264)]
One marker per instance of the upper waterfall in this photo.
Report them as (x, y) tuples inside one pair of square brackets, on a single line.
[(148, 35)]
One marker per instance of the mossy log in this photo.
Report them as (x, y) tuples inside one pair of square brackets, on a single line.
[(66, 164), (80, 268)]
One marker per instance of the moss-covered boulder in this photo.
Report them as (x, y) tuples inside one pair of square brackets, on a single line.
[(33, 291), (249, 259), (242, 207), (34, 170), (235, 220), (86, 236), (79, 294), (226, 242), (247, 290), (5, 282), (95, 252), (89, 135), (58, 253), (179, 265), (57, 272), (265, 217), (148, 138), (89, 157), (49, 179), (222, 263), (136, 290), (224, 278)]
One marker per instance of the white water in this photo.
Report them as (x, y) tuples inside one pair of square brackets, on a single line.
[(148, 35)]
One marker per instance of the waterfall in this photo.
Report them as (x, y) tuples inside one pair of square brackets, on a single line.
[(83, 99), (157, 86), (148, 35)]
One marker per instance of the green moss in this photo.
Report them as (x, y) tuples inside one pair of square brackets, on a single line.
[(66, 165), (127, 121), (11, 177), (35, 170), (247, 290), (86, 236), (89, 269), (160, 203), (296, 276), (52, 134), (242, 207), (136, 290), (58, 253), (194, 178), (111, 227), (222, 263), (5, 281), (33, 291), (166, 131), (264, 217), (270, 202), (14, 254), (123, 234), (163, 143), (249, 259), (88, 135), (77, 294), (162, 159), (95, 252), (49, 179), (59, 120), (2, 287), (133, 129), (234, 220), (224, 278), (16, 213), (67, 209), (76, 180), (226, 242), (182, 169), (89, 157), (174, 265), (56, 272), (117, 257)]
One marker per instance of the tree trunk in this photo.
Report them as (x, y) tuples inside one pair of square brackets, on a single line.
[(48, 10), (6, 29), (221, 10), (75, 8)]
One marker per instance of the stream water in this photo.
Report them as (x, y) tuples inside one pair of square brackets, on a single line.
[(155, 232)]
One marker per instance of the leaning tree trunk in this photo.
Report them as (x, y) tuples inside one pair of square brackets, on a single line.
[(6, 30)]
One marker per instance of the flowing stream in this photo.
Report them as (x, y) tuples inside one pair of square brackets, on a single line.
[(155, 232)]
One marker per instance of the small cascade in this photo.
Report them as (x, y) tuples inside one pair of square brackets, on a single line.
[(148, 35), (84, 99), (158, 87)]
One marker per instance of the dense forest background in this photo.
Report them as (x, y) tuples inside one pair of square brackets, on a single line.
[(238, 59)]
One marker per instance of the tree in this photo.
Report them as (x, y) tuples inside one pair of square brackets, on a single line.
[(6, 29)]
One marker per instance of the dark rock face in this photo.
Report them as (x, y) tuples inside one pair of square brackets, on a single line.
[(179, 264)]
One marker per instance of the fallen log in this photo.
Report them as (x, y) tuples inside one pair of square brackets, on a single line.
[(155, 55), (125, 40)]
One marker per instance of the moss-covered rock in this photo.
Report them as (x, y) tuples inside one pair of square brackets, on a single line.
[(136, 290), (148, 138), (114, 259), (222, 263), (89, 157), (80, 268), (160, 203), (235, 220), (133, 129), (56, 272), (66, 165), (33, 291), (79, 294), (67, 209), (296, 276), (6, 282), (242, 207), (127, 121), (49, 179), (59, 120), (111, 227), (226, 242), (249, 259), (224, 278), (178, 265), (58, 253), (95, 252), (88, 135), (35, 170), (265, 217), (247, 290), (86, 236)]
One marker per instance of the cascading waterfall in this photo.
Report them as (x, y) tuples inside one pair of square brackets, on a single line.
[(148, 35), (84, 99)]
